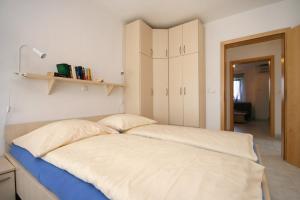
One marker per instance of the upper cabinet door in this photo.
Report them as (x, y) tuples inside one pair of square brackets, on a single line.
[(146, 39), (175, 41), (190, 36), (160, 43)]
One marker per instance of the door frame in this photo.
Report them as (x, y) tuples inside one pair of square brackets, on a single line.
[(270, 60), (252, 39)]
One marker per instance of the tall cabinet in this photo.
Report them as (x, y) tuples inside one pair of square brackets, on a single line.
[(165, 73), (187, 75), (138, 69), (160, 44)]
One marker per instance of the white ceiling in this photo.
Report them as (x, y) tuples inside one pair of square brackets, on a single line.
[(166, 13)]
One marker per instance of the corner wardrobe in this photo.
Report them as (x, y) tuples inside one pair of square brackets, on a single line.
[(165, 73)]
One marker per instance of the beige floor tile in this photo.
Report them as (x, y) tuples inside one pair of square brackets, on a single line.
[(284, 178)]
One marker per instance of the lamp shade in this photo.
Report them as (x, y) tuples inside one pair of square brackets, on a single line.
[(39, 53)]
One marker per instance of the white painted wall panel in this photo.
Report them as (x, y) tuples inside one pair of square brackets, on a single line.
[(275, 16), (75, 32)]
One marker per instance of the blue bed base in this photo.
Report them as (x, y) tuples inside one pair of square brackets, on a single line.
[(64, 185)]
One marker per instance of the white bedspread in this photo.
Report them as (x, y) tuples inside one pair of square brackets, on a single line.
[(130, 167), (237, 144)]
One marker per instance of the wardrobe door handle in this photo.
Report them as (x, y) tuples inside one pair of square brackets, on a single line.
[(167, 92), (180, 91), (184, 91), (180, 50), (184, 49), (166, 52), (5, 179)]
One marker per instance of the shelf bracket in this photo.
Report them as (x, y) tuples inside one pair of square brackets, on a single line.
[(109, 89), (51, 82)]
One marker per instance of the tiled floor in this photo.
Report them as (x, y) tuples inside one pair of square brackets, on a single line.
[(284, 179)]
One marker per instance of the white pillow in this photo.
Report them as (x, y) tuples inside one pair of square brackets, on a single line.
[(54, 135), (124, 122)]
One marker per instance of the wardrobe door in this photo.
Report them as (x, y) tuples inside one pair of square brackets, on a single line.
[(160, 43), (190, 36), (160, 90), (175, 91), (132, 69), (190, 82), (146, 86), (175, 41), (146, 39)]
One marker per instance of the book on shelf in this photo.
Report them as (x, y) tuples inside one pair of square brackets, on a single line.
[(75, 72), (86, 74), (83, 73)]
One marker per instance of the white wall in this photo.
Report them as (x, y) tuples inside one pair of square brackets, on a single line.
[(72, 31), (263, 19), (259, 50)]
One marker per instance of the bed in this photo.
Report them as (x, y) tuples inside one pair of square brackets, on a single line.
[(40, 187)]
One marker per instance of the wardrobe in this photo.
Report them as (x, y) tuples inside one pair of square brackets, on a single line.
[(173, 82)]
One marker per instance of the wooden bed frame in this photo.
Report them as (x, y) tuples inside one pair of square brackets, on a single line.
[(28, 188)]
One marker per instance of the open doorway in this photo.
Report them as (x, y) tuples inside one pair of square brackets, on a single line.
[(252, 90), (289, 95), (260, 49), (258, 68)]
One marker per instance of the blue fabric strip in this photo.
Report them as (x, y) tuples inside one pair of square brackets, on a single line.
[(63, 184)]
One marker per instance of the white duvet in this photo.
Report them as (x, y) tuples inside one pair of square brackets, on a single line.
[(132, 167), (222, 141)]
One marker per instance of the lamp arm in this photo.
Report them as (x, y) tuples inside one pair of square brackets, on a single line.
[(20, 57)]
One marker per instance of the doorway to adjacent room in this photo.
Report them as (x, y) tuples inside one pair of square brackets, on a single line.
[(252, 87)]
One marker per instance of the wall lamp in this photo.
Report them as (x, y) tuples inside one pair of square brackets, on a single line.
[(40, 54)]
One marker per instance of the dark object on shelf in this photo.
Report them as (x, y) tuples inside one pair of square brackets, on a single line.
[(83, 73), (64, 69), (56, 74), (244, 107), (79, 74)]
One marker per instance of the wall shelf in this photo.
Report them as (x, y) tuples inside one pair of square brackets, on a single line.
[(52, 80)]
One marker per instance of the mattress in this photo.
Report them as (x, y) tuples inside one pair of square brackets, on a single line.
[(61, 183)]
